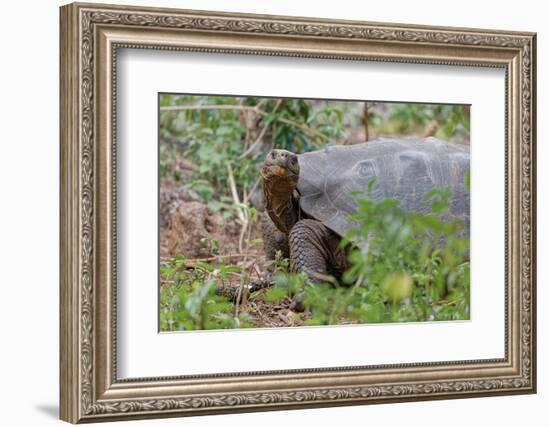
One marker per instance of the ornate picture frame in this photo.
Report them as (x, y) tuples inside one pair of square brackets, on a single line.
[(90, 37)]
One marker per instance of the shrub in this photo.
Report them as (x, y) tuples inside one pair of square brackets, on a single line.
[(188, 299)]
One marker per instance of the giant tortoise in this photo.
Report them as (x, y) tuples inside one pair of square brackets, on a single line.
[(308, 197)]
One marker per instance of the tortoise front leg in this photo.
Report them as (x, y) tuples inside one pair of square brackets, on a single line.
[(274, 240), (309, 252), (315, 250)]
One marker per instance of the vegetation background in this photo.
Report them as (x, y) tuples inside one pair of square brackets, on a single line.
[(211, 251)]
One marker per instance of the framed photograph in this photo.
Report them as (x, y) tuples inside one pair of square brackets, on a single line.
[(267, 212)]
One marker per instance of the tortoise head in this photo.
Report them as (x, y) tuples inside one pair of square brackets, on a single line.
[(281, 165)]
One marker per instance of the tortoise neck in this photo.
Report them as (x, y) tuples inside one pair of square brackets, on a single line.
[(280, 204)]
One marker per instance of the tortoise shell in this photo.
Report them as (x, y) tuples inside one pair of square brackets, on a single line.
[(405, 169)]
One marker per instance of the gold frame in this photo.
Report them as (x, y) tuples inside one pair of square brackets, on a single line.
[(90, 36)]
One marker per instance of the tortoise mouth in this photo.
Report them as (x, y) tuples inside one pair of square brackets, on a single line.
[(278, 171)]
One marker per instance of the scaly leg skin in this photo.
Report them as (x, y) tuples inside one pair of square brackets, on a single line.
[(274, 240), (314, 250)]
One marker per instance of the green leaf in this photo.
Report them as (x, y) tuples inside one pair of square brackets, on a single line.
[(398, 286), (275, 294)]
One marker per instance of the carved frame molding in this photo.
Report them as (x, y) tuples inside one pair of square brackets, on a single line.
[(90, 37)]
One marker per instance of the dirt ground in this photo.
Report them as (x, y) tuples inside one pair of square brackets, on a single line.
[(188, 227)]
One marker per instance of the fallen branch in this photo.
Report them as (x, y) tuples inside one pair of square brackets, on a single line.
[(176, 108), (211, 258), (285, 319)]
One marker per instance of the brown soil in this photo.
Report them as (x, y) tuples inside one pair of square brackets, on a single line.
[(190, 224), (272, 315), (188, 221), (187, 227)]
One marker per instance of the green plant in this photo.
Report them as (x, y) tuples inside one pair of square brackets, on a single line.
[(188, 298), (448, 122), (417, 263), (416, 268), (285, 285), (226, 138)]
